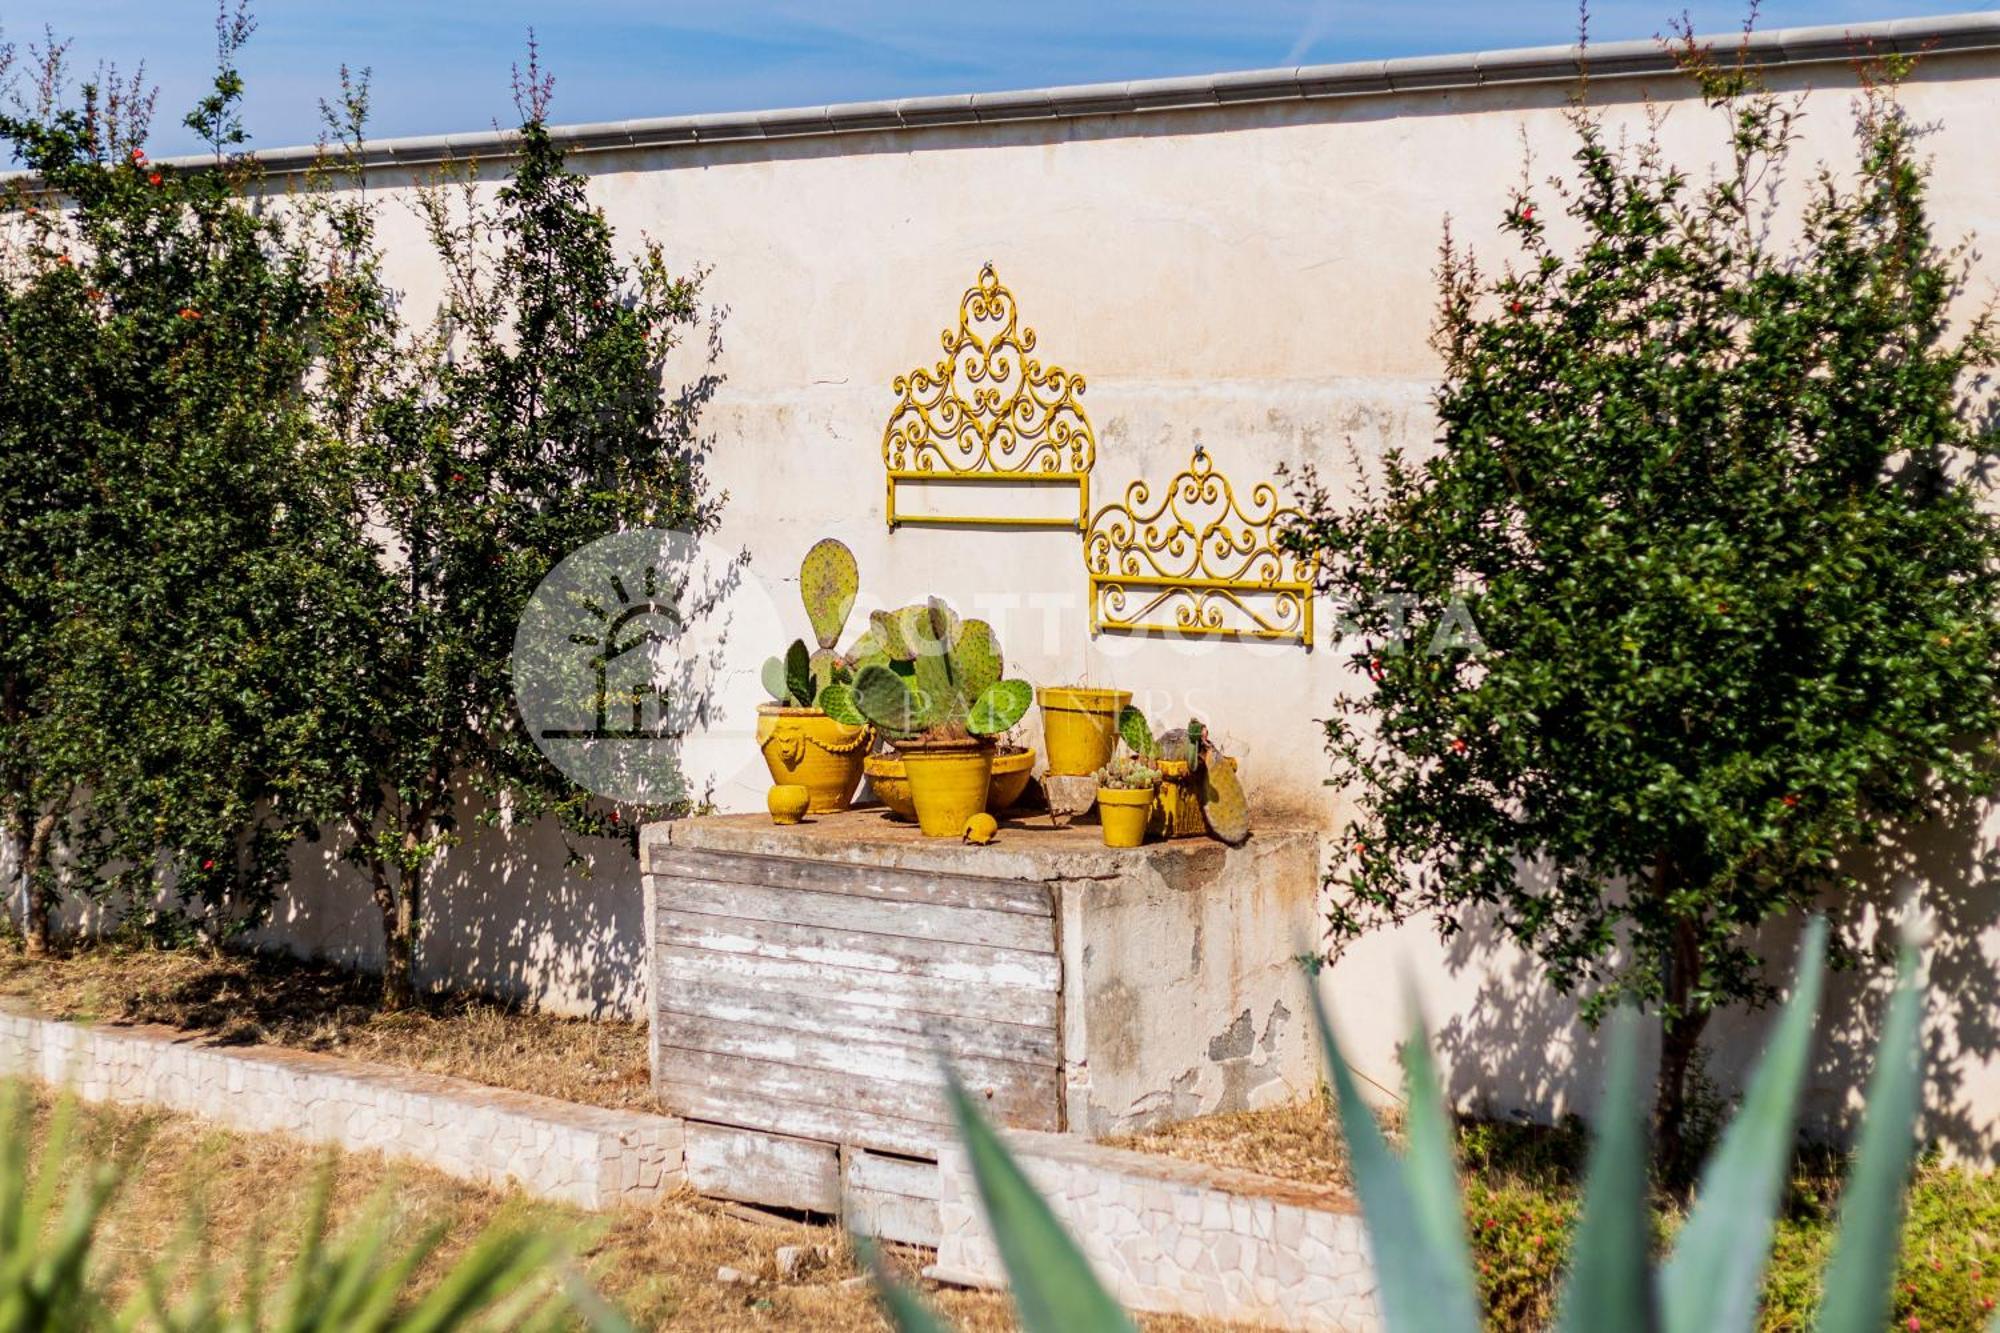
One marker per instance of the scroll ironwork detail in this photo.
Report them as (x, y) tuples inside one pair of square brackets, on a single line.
[(988, 410), (1198, 561)]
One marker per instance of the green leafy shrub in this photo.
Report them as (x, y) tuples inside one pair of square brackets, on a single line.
[(1698, 592)]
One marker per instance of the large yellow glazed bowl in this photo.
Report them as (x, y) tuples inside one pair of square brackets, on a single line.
[(890, 782), (804, 747), (948, 785), (1079, 727)]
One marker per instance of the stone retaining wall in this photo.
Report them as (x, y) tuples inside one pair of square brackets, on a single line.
[(583, 1155), (1176, 1237)]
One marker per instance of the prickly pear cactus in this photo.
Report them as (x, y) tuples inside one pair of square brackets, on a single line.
[(775, 683), (829, 579), (881, 696), (837, 701), (999, 707), (1223, 805), (1136, 732), (827, 668), (798, 674), (975, 659)]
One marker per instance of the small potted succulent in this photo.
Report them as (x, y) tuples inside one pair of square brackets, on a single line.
[(1079, 726), (1126, 787), (1200, 791), (802, 744), (932, 685)]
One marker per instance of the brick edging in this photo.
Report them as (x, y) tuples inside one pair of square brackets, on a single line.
[(589, 1156)]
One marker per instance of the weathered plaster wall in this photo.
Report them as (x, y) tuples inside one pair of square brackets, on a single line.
[(1253, 278)]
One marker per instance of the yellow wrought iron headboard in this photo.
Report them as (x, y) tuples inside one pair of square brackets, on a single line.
[(989, 411), (1198, 562)]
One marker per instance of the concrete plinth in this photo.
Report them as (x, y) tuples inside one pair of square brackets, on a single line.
[(806, 979)]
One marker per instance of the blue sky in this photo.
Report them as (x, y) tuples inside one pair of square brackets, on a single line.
[(441, 67)]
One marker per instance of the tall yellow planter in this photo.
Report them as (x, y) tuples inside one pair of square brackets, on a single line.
[(948, 785), (1079, 727), (806, 748)]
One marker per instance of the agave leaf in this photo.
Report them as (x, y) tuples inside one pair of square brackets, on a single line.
[(1136, 731), (1223, 805), (1053, 1286), (1429, 1156), (798, 674), (776, 684), (906, 1310), (1423, 1289), (1711, 1283), (1610, 1283), (837, 702), (1000, 707), (829, 578), (1859, 1278)]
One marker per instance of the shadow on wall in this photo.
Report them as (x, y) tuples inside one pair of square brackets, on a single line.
[(1513, 1047), (505, 916)]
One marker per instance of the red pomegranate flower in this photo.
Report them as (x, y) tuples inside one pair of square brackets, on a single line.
[(208, 865), (154, 179), (138, 155), (189, 312), (1790, 800)]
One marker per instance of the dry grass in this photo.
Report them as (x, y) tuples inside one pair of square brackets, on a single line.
[(243, 999), (1296, 1143), (657, 1264)]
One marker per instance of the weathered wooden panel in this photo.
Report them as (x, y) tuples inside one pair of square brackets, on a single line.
[(765, 1001), (814, 999), (890, 1198), (966, 964), (847, 911), (775, 1170), (1027, 897), (890, 990), (1013, 1090)]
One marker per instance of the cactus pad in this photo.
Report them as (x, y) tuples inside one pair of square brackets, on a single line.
[(1223, 805), (1000, 707), (829, 578), (1136, 731), (975, 659), (881, 696), (775, 683), (798, 674), (837, 702)]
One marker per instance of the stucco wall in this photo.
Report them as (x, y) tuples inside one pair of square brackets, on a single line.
[(1256, 279)]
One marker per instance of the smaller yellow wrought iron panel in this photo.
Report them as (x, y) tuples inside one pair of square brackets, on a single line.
[(1198, 562), (989, 411)]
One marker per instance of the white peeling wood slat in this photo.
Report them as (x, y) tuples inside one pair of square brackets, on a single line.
[(1018, 1104), (891, 1175), (824, 1117), (1011, 1083), (878, 916), (969, 965), (1027, 1007), (783, 1005), (1026, 897), (751, 1166)]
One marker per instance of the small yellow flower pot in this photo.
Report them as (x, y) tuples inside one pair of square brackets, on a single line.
[(805, 747), (787, 803), (1079, 727), (1123, 815), (948, 784), (890, 782)]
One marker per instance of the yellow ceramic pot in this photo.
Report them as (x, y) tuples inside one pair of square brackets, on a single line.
[(787, 803), (1177, 812), (1079, 727), (948, 784), (1011, 772), (804, 746), (890, 782), (1123, 815)]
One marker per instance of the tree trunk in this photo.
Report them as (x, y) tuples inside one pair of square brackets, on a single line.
[(35, 899), (1680, 1041), (398, 986)]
